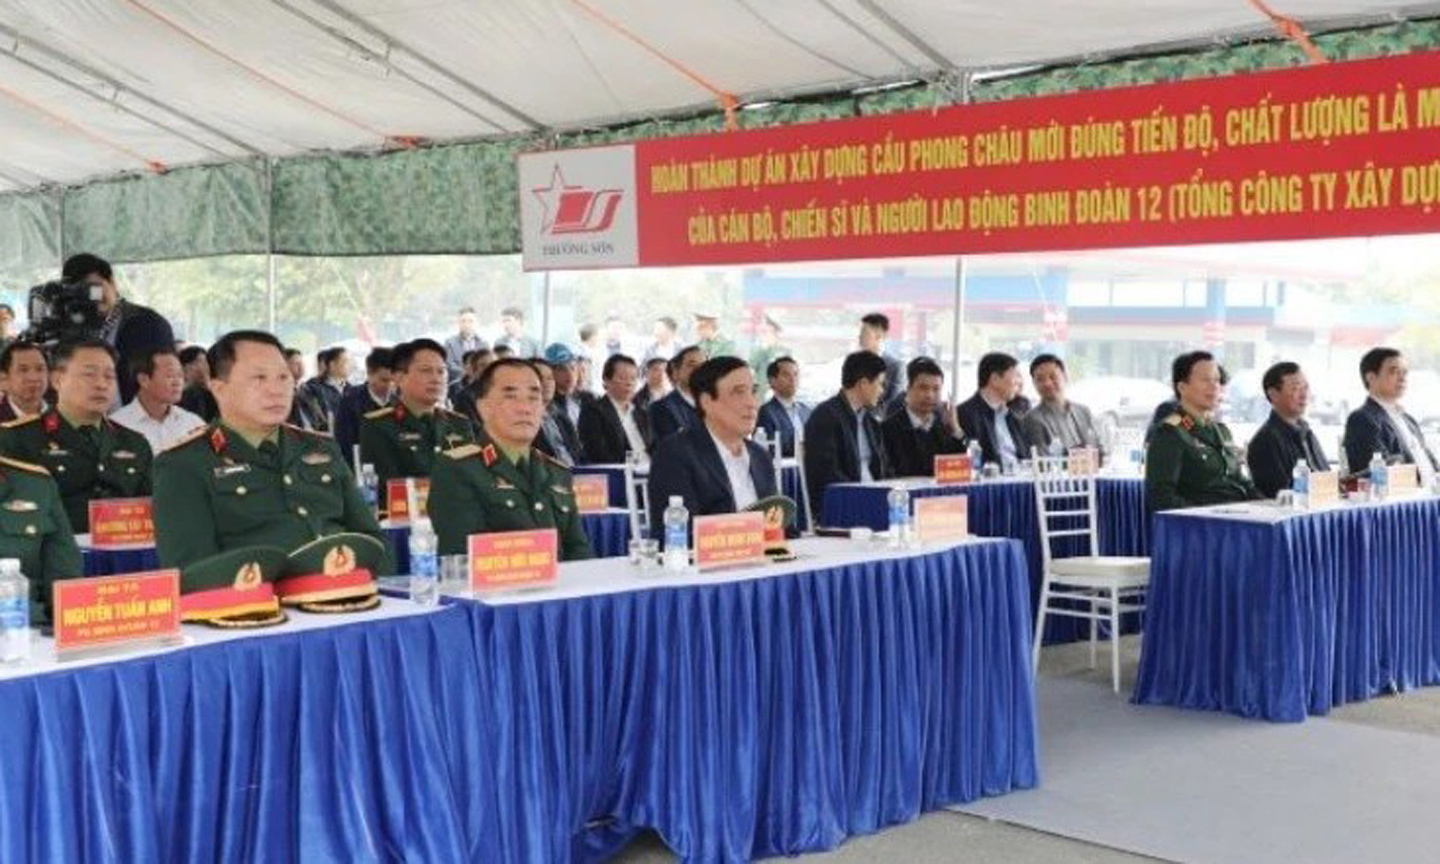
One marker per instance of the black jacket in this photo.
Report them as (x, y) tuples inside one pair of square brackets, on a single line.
[(200, 402), (1274, 450), (354, 405), (912, 451), (603, 437), (1369, 430), (670, 415), (776, 423), (832, 450), (141, 329), (977, 419), (569, 437), (688, 464)]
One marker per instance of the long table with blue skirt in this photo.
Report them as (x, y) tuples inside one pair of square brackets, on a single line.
[(1005, 507), (609, 534), (1267, 612), (789, 480), (744, 713)]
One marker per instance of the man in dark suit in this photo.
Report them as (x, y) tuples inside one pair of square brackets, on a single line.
[(322, 393), (558, 437), (377, 392), (874, 330), (677, 411), (1285, 438), (926, 427), (1381, 425), (196, 397), (611, 426), (24, 376), (784, 417), (987, 417), (131, 329), (843, 441), (711, 465), (657, 384)]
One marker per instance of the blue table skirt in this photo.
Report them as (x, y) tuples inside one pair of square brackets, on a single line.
[(1280, 621), (789, 478), (609, 535), (738, 719), (351, 743), (1007, 509), (762, 717)]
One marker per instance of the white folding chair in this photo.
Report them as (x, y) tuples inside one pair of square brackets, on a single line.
[(1093, 587), (804, 490), (637, 498)]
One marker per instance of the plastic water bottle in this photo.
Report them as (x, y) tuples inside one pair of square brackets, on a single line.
[(976, 453), (1379, 478), (14, 613), (370, 487), (424, 565), (899, 501), (677, 536), (1300, 483)]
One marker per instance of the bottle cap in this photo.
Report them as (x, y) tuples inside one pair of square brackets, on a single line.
[(677, 500)]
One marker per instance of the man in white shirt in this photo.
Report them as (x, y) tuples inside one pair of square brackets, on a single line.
[(155, 411), (1381, 424), (713, 467), (784, 416), (612, 426)]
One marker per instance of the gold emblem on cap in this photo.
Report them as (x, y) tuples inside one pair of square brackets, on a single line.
[(339, 561), (248, 577)]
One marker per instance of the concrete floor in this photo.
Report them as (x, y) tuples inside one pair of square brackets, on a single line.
[(956, 838)]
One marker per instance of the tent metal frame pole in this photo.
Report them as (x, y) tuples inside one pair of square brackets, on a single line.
[(546, 299), (958, 328), (270, 263)]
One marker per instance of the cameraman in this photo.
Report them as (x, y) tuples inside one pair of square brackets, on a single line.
[(131, 329)]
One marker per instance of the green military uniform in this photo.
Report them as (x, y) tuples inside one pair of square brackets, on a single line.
[(215, 492), (719, 346), (401, 443), (35, 530), (90, 463), (760, 360), (1190, 463), (476, 488)]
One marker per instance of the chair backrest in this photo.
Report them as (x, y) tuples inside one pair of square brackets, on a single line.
[(637, 499), (1065, 505)]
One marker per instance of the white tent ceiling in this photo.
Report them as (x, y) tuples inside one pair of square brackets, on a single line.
[(96, 87)]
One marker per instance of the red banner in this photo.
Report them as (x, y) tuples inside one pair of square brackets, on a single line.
[(118, 523), (114, 609), (1341, 149)]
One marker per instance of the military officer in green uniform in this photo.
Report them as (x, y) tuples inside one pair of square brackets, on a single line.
[(709, 338), (250, 479), (35, 530), (89, 457), (501, 482), (766, 351), (404, 439), (1191, 460)]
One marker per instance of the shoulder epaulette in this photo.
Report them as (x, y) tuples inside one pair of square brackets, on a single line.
[(546, 457), (379, 412), (15, 424), (24, 466), (1173, 420), (311, 432), (464, 451), (447, 412), (190, 438)]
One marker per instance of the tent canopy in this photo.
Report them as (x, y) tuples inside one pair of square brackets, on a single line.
[(90, 88)]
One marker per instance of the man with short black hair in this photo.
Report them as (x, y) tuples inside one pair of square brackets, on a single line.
[(513, 338), (926, 427), (843, 440), (405, 439), (196, 397), (558, 437), (249, 479), (24, 377), (666, 345), (657, 384), (129, 328), (463, 342), (709, 339), (1056, 425), (767, 350), (501, 482), (569, 398), (7, 325), (612, 427), (1285, 439), (986, 417), (1192, 460), (90, 457), (784, 416), (712, 465), (155, 411), (377, 392), (1381, 425), (323, 392), (874, 330), (677, 411)]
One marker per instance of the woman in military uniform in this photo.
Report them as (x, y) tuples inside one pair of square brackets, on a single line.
[(35, 530), (1192, 460)]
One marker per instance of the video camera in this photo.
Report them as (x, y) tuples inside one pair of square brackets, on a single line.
[(61, 311)]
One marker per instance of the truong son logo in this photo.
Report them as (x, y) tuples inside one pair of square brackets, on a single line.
[(576, 210)]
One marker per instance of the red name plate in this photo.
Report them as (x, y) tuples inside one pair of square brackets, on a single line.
[(514, 559), (592, 492), (397, 501), (1324, 488), (1083, 461), (942, 519), (729, 539), (115, 609), (953, 468), (121, 522)]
